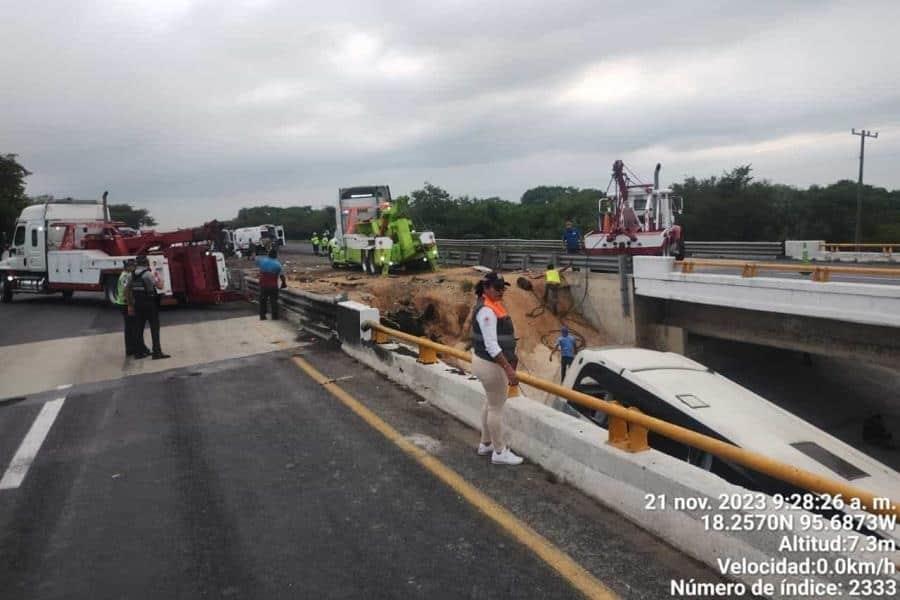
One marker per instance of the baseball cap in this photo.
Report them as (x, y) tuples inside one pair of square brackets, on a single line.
[(495, 280)]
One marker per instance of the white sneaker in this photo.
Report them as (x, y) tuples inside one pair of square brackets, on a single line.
[(485, 449), (507, 457)]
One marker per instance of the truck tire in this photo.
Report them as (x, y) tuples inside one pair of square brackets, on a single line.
[(67, 294), (7, 294), (110, 289)]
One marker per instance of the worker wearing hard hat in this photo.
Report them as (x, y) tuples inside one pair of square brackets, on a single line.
[(494, 363)]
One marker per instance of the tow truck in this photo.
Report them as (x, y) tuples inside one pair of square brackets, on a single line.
[(64, 246), (639, 219), (376, 233)]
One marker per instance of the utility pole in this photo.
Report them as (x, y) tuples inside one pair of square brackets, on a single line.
[(863, 134)]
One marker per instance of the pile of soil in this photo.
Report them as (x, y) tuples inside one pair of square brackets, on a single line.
[(439, 305)]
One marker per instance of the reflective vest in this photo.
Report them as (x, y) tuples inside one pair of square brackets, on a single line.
[(315, 240), (138, 286), (506, 333), (553, 276), (124, 281)]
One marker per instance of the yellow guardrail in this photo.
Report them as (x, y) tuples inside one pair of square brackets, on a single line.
[(753, 268), (628, 428)]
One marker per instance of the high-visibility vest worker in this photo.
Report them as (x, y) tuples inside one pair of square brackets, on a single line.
[(553, 276), (122, 283)]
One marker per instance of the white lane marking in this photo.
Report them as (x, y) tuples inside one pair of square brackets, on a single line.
[(65, 386), (28, 450)]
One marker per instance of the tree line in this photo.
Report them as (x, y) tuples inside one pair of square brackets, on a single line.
[(729, 207)]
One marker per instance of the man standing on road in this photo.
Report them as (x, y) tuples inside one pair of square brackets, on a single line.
[(572, 238), (145, 286), (269, 273), (315, 243)]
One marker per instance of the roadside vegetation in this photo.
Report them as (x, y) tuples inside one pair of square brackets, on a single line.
[(732, 206)]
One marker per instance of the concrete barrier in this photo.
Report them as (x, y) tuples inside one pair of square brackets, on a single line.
[(576, 451), (817, 251)]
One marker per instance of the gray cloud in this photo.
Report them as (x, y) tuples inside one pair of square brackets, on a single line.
[(194, 109)]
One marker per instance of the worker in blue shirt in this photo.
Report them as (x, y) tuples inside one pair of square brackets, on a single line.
[(572, 238), (566, 346), (269, 273)]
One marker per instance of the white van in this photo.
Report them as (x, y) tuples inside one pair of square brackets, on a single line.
[(249, 240), (677, 389)]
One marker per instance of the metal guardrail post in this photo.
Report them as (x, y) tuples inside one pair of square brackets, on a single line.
[(725, 451), (623, 285)]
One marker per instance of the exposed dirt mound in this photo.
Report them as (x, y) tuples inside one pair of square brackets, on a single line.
[(439, 306)]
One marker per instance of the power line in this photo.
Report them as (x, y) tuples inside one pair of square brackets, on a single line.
[(863, 134)]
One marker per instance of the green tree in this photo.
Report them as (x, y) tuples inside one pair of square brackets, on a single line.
[(133, 217), (12, 192)]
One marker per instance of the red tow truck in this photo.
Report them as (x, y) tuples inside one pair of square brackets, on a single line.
[(64, 246)]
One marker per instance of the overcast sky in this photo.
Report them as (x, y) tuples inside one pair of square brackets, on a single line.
[(193, 109)]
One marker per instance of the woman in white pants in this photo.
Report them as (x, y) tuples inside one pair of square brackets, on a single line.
[(494, 363)]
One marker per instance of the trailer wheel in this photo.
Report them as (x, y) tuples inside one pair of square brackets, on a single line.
[(67, 294), (110, 289), (7, 294)]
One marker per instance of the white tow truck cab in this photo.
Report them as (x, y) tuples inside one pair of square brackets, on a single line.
[(52, 252)]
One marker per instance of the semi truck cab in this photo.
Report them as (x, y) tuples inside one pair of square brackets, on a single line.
[(56, 248)]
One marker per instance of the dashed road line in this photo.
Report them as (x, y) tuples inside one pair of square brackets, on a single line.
[(28, 449)]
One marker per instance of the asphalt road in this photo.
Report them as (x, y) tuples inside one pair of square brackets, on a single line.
[(243, 478)]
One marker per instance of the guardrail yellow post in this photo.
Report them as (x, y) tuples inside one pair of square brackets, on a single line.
[(821, 274), (687, 266), (749, 270), (618, 431), (637, 435), (512, 391), (427, 355), (380, 337)]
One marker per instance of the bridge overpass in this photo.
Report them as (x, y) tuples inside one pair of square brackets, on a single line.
[(855, 314)]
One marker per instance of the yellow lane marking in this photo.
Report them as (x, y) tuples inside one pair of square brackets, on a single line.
[(570, 570)]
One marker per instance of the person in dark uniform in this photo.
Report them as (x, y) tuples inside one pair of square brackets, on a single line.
[(128, 313), (145, 286)]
